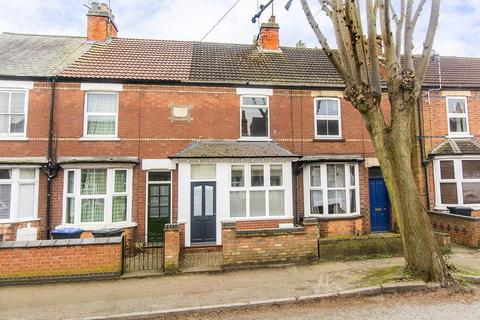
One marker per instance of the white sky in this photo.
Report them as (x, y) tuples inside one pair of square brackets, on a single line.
[(458, 33)]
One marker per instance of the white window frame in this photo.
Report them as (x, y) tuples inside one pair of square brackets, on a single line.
[(15, 182), (248, 106), (459, 180), (108, 197), (457, 115), (323, 187), (320, 117), (86, 114), (247, 187), (16, 136)]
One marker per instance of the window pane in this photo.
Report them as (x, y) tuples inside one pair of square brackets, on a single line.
[(316, 201), (337, 202), (4, 97), (448, 193), (5, 174), (26, 200), (276, 203), (315, 176), (257, 203), (101, 125), (5, 200), (159, 176), (92, 210), (257, 176), (70, 210), (352, 175), (237, 176), (327, 128), (104, 103), (203, 171), (197, 201), (17, 124), (327, 108), (70, 181), (447, 170), (333, 128), (456, 106), (209, 201), (238, 204), (335, 176), (276, 173), (93, 181), (353, 201), (27, 174), (471, 193), (471, 169), (458, 125), (322, 129), (17, 104), (4, 123), (119, 209), (254, 101), (120, 181), (254, 122)]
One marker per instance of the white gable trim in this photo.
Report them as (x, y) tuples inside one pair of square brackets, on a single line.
[(16, 84), (255, 91), (101, 87)]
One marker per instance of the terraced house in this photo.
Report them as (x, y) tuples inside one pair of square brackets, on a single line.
[(205, 141)]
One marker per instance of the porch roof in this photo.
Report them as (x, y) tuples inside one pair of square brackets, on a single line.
[(68, 160), (233, 149), (464, 146)]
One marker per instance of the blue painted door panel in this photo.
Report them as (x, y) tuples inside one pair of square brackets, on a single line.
[(379, 205)]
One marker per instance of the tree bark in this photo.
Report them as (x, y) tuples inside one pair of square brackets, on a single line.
[(394, 150)]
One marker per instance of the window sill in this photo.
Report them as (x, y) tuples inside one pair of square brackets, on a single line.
[(5, 138), (13, 221), (327, 139), (334, 216), (459, 136), (99, 139), (100, 225), (256, 218), (253, 139)]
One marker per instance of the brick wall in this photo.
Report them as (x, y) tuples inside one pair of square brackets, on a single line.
[(259, 246), (329, 228), (462, 230), (60, 260), (8, 231)]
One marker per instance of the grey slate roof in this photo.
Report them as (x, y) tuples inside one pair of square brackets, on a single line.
[(457, 147), (38, 55), (233, 149)]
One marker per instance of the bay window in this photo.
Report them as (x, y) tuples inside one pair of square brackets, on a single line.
[(18, 194), (97, 195), (457, 182), (254, 117), (331, 189), (257, 190), (457, 114), (13, 115)]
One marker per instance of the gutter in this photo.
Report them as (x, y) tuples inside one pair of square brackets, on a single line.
[(425, 161), (51, 168)]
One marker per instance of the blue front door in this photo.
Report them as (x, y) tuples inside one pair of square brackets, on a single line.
[(379, 205)]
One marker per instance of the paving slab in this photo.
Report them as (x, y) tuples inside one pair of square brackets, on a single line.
[(404, 286)]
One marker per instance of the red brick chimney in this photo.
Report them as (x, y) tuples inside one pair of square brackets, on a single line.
[(268, 36), (100, 22)]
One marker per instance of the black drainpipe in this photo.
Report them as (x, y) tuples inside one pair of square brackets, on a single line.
[(51, 167), (422, 149)]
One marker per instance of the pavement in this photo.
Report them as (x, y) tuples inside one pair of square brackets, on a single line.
[(102, 298)]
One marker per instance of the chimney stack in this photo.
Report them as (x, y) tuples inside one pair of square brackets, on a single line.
[(100, 22), (268, 37)]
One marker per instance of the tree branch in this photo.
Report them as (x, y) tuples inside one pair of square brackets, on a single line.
[(390, 52), (372, 48)]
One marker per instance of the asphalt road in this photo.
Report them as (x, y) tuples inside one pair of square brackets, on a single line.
[(444, 304)]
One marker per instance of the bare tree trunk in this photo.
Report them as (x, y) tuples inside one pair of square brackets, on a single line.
[(394, 150)]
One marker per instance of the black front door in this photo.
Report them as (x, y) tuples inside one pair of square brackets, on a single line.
[(158, 210), (204, 212)]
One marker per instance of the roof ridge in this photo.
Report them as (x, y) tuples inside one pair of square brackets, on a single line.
[(43, 35)]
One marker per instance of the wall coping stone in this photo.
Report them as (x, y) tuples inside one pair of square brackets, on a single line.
[(270, 232), (310, 221), (362, 237), (456, 216), (228, 225), (59, 242), (171, 226)]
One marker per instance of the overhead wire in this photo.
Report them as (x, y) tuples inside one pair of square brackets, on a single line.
[(220, 20)]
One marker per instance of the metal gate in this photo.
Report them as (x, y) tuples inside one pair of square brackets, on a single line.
[(142, 256)]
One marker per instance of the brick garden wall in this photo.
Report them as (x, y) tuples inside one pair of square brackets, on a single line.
[(462, 230), (38, 261), (257, 246)]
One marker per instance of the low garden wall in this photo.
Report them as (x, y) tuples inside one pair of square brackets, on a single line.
[(462, 229), (57, 260), (334, 248), (270, 245)]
